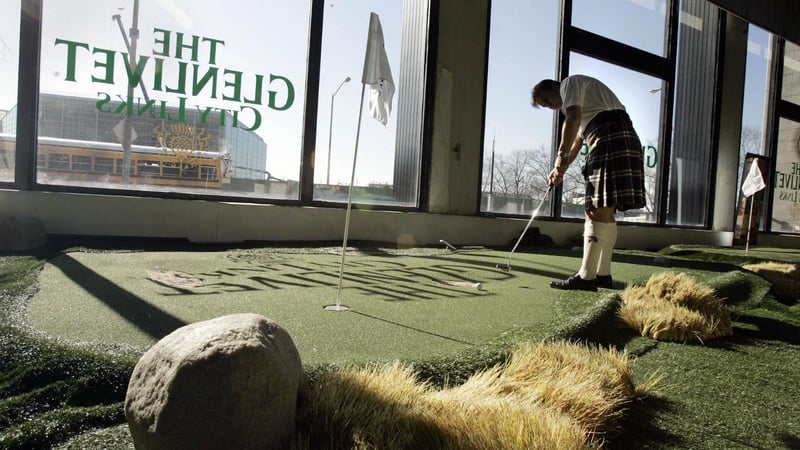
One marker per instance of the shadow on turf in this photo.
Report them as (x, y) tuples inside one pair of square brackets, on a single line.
[(769, 329), (419, 330), (638, 426), (143, 315), (789, 440), (655, 260), (491, 262)]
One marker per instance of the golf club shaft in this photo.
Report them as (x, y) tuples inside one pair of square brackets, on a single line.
[(533, 216)]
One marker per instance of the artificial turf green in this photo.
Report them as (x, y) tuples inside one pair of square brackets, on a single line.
[(741, 393), (738, 255), (738, 392), (400, 306)]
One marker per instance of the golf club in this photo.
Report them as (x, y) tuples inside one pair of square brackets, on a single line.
[(507, 267), (447, 245)]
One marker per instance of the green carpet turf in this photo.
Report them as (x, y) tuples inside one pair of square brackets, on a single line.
[(120, 297), (734, 255), (401, 305)]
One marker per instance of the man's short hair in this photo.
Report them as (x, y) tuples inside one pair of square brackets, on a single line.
[(543, 86)]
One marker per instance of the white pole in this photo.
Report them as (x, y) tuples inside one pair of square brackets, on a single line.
[(338, 306), (749, 225)]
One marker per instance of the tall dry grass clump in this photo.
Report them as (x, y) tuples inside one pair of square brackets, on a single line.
[(548, 395), (785, 278), (674, 307), (590, 384)]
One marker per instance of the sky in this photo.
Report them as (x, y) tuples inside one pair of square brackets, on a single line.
[(272, 38), (343, 48)]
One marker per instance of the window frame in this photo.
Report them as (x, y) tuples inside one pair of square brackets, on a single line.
[(28, 109), (777, 109), (586, 43)]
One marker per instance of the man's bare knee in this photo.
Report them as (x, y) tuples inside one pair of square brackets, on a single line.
[(604, 214)]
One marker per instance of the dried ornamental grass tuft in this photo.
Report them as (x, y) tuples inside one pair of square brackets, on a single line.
[(675, 307), (785, 278), (547, 395)]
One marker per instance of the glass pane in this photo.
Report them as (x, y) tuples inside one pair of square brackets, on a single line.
[(9, 69), (786, 193), (387, 166), (641, 95), (791, 73), (638, 23), (755, 95), (211, 103), (695, 89), (518, 138)]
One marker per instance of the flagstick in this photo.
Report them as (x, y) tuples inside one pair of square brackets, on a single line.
[(338, 306), (749, 226)]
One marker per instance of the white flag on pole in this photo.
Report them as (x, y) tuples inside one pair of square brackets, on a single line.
[(754, 181), (377, 73)]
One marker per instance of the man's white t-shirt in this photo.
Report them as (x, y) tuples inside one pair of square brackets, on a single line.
[(590, 94)]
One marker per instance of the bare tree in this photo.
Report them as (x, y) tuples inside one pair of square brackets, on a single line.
[(751, 141), (518, 174)]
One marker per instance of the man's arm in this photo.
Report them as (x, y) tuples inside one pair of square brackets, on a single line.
[(570, 144)]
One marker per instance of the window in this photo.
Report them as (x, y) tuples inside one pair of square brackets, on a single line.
[(757, 68), (638, 23), (695, 93), (790, 89), (9, 70), (518, 138), (641, 95), (755, 91), (211, 104), (387, 169), (786, 193), (786, 183)]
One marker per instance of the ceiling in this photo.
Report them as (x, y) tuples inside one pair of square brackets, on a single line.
[(781, 17)]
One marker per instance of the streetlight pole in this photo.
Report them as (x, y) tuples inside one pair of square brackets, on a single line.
[(330, 129), (127, 132)]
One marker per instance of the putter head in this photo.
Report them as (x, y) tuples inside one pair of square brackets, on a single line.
[(503, 267), (447, 245)]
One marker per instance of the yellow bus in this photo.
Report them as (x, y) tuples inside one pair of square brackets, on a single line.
[(91, 161)]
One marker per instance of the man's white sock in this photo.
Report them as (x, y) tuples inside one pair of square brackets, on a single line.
[(607, 236), (591, 251)]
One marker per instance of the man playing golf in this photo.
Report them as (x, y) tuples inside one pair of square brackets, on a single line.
[(614, 170)]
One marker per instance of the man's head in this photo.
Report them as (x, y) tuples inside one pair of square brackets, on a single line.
[(546, 94)]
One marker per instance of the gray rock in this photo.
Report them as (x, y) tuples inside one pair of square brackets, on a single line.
[(230, 382)]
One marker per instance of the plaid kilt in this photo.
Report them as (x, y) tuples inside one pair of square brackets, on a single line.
[(614, 169)]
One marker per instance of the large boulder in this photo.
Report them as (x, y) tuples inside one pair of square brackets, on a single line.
[(228, 383)]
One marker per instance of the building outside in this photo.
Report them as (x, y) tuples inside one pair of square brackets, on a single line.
[(77, 122)]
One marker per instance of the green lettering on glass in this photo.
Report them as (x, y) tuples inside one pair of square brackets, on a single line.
[(174, 45), (201, 82), (102, 102), (72, 47), (236, 84), (257, 94), (106, 63), (160, 46), (181, 89), (256, 122), (135, 76), (650, 156), (289, 94)]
